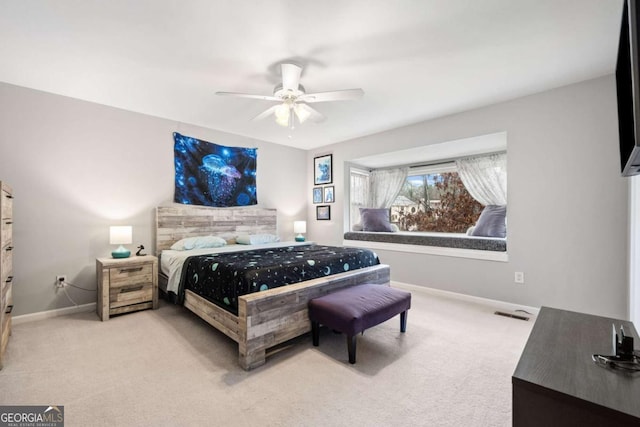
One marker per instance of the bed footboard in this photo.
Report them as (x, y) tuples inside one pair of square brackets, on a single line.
[(271, 317)]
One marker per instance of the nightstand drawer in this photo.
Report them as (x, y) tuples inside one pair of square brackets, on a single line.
[(131, 294), (131, 275)]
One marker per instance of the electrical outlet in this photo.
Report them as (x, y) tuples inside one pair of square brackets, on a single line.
[(519, 277), (61, 281)]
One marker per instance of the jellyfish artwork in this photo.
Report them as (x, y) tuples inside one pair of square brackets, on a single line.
[(220, 177), (213, 175)]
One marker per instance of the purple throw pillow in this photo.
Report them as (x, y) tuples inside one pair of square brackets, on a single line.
[(491, 222), (375, 219)]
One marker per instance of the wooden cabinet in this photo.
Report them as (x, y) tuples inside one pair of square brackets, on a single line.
[(6, 266), (126, 284), (556, 382)]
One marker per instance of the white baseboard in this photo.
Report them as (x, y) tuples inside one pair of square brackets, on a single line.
[(500, 305), (24, 318)]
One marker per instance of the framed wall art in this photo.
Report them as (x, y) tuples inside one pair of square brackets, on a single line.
[(329, 194), (317, 195), (323, 213), (323, 170)]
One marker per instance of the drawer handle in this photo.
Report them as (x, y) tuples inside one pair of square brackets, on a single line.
[(9, 248), (9, 279), (9, 222), (132, 289), (9, 309), (130, 270), (9, 196)]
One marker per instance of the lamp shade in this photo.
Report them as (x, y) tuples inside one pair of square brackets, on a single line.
[(120, 235), (300, 226)]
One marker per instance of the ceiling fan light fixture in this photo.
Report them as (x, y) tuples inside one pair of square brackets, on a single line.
[(282, 114), (302, 113), (294, 101)]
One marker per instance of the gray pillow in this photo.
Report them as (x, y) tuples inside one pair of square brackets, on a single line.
[(491, 222), (375, 219)]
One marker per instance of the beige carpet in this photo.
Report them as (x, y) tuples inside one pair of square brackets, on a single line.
[(167, 367)]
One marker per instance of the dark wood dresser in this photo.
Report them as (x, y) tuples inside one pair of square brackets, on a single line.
[(556, 383)]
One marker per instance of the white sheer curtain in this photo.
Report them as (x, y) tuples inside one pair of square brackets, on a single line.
[(359, 194), (485, 178), (385, 185)]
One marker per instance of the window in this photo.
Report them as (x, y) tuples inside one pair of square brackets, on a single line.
[(430, 203), (434, 198)]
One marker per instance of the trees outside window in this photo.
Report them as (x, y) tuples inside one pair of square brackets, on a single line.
[(435, 202)]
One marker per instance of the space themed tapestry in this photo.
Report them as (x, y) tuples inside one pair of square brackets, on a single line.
[(208, 174)]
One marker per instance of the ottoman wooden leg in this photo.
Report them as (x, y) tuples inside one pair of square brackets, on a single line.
[(403, 321), (315, 333), (351, 346)]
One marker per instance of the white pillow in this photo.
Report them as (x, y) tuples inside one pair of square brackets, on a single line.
[(199, 242), (256, 239)]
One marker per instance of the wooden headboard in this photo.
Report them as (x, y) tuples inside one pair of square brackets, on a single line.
[(179, 221)]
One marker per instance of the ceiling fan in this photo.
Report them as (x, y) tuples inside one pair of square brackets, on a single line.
[(293, 100)]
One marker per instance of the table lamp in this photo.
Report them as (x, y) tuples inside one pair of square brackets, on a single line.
[(300, 227), (120, 235)]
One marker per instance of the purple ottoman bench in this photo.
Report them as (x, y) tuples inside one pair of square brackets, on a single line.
[(354, 309)]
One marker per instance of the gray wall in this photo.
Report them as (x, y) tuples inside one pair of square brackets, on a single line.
[(76, 168), (568, 204)]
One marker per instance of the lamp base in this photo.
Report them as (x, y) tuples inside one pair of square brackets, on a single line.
[(121, 252), (299, 238)]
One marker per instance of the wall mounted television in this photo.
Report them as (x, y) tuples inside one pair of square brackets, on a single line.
[(628, 90)]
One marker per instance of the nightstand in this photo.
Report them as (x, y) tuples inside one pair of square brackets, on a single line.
[(126, 284)]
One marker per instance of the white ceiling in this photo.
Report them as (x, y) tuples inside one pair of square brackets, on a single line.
[(414, 59)]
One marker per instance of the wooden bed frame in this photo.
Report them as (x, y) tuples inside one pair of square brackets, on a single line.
[(265, 319)]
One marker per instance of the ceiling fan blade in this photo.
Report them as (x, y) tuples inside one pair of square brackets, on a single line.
[(336, 95), (304, 112), (291, 77), (266, 113), (246, 95)]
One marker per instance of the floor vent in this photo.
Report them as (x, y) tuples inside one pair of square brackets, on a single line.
[(515, 316)]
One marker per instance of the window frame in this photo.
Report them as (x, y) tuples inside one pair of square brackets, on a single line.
[(433, 156)]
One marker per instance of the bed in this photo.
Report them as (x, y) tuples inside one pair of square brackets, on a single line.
[(264, 319)]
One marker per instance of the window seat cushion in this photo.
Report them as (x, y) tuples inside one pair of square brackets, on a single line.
[(445, 240)]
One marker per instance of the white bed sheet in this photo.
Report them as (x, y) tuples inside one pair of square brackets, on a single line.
[(171, 261)]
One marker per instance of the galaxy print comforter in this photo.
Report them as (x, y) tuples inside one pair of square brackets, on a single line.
[(222, 278)]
